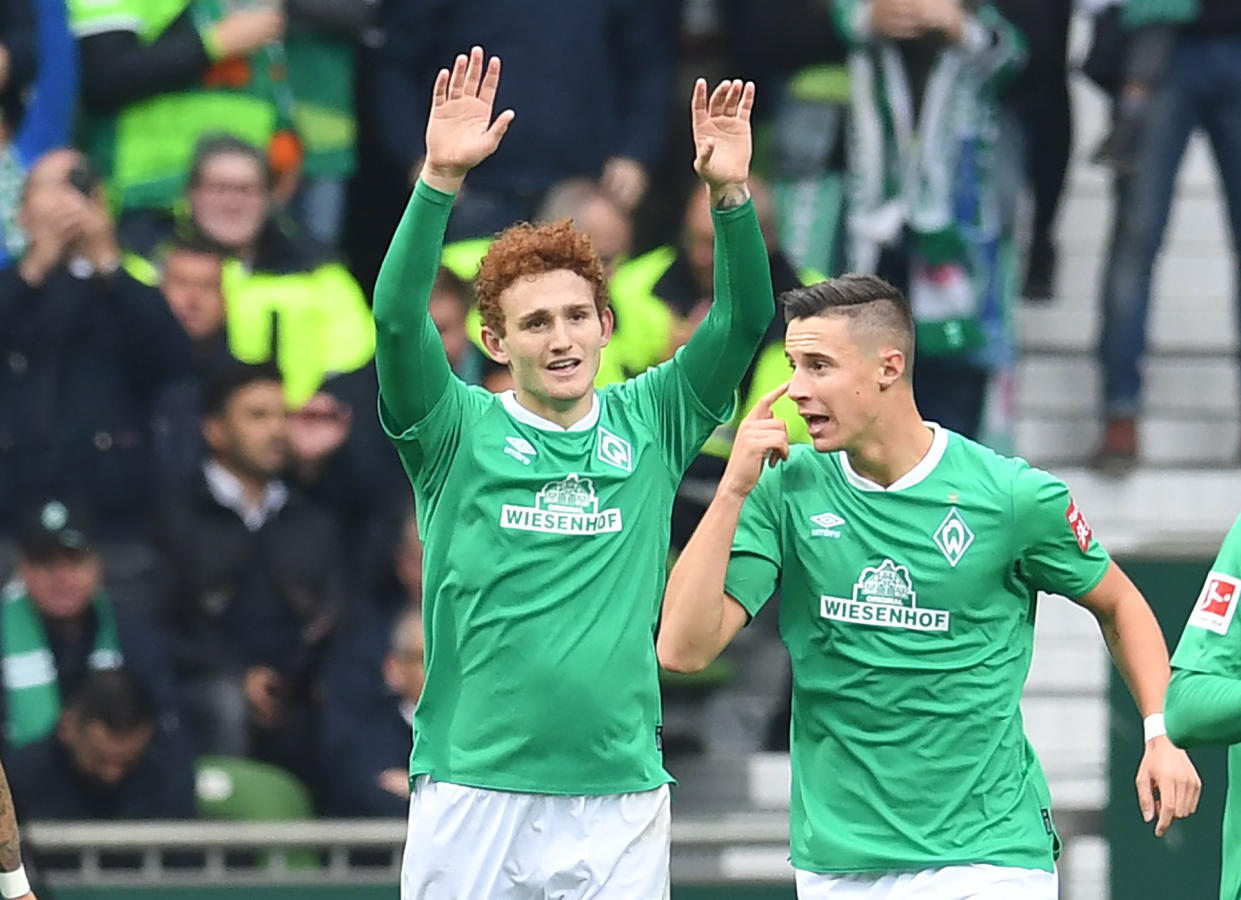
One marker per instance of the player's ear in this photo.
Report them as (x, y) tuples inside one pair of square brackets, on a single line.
[(608, 320), (494, 345), (891, 367)]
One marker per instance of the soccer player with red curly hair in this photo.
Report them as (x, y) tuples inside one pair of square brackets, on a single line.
[(544, 511)]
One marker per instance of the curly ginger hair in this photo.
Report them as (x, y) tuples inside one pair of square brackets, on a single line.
[(525, 249)]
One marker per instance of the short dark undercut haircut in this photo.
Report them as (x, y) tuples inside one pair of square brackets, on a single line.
[(867, 300)]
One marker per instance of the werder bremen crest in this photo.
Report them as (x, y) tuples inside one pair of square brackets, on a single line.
[(563, 507), (884, 595), (953, 537)]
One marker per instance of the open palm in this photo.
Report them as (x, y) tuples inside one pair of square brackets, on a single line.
[(722, 139), (460, 133)]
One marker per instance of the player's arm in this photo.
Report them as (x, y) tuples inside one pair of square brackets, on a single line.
[(1167, 782), (13, 881), (1203, 708), (723, 346), (409, 356), (699, 617)]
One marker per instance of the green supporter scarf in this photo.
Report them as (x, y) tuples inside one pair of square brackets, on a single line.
[(904, 169), (32, 692)]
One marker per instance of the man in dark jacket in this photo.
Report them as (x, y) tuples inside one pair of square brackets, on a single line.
[(254, 581), (102, 761), (85, 348)]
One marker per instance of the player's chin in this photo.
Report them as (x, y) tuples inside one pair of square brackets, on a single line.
[(829, 444)]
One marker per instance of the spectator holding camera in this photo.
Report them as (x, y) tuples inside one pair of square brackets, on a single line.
[(86, 348)]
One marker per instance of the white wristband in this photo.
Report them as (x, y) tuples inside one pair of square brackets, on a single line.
[(1153, 726), (14, 884)]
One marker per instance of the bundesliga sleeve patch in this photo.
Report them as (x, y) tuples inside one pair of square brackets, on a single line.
[(1079, 525), (1216, 604)]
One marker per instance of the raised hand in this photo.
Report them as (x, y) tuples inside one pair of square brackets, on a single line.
[(761, 438), (722, 139), (460, 133)]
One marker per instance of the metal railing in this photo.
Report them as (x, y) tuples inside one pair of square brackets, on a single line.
[(749, 847)]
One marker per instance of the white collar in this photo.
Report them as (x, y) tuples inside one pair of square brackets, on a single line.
[(521, 414), (226, 488), (926, 465)]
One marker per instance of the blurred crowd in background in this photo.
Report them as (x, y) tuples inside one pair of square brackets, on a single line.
[(209, 547)]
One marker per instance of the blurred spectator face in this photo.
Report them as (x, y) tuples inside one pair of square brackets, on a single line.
[(229, 201), (698, 240), (448, 312), (63, 585), (104, 756), (404, 667), (251, 437), (192, 287), (319, 428), (609, 228), (408, 559)]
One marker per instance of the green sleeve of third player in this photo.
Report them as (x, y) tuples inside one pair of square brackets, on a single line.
[(415, 379), (757, 552), (1203, 705), (1056, 550), (721, 349)]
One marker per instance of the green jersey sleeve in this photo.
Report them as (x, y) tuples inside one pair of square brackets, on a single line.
[(1211, 641), (720, 351), (1057, 551), (421, 403), (757, 552)]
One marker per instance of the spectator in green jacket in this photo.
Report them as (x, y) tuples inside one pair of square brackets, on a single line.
[(284, 299), (159, 74)]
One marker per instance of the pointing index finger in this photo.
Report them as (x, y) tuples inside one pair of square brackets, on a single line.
[(762, 409)]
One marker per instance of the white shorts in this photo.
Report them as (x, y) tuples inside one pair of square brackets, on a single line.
[(473, 844), (977, 882)]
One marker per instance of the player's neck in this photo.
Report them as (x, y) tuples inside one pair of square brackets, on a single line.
[(566, 414), (895, 445)]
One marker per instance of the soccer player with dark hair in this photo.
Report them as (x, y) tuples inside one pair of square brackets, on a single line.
[(909, 561), (544, 514)]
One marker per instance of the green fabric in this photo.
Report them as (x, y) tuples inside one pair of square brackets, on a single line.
[(575, 526), (148, 18), (1203, 705), (1137, 13), (243, 790), (909, 613), (31, 687), (322, 319), (145, 149), (321, 74)]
